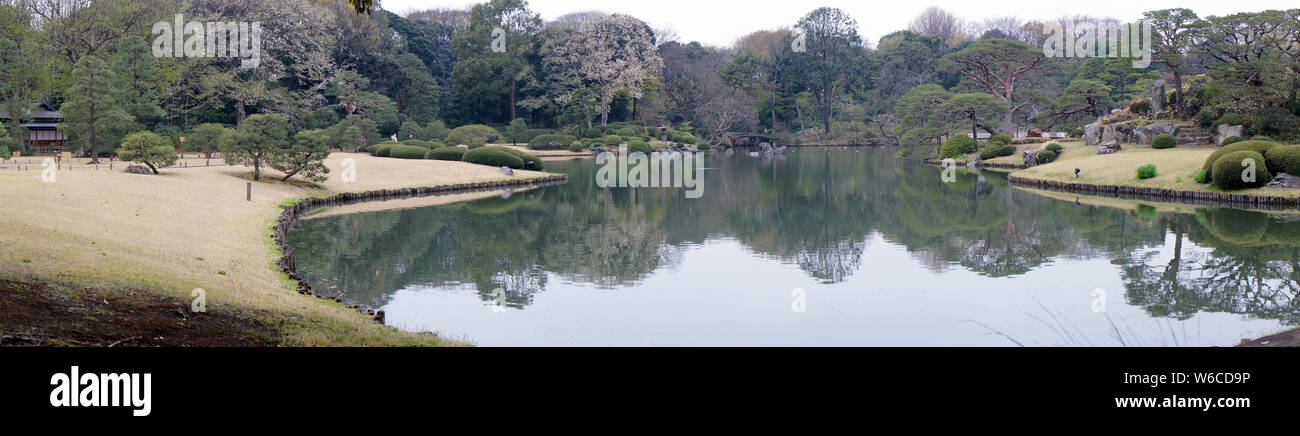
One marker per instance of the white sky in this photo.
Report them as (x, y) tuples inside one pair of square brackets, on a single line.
[(721, 22)]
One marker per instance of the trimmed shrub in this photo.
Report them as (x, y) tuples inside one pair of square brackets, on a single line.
[(494, 156), (1202, 177), (689, 139), (613, 140), (473, 134), (1256, 146), (1262, 138), (551, 142), (1283, 159), (1228, 171), (957, 146), (989, 154), (1037, 140), (416, 143), (1163, 141), (703, 146), (1231, 119), (531, 161), (408, 152), (1006, 150), (1232, 140), (577, 146), (1046, 156), (1054, 146), (1146, 171), (627, 132), (446, 153), (1000, 138), (636, 145), (382, 149), (1077, 133)]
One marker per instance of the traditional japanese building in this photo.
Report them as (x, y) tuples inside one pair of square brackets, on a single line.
[(41, 122)]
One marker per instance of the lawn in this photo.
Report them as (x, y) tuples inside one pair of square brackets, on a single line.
[(191, 228), (1176, 168)]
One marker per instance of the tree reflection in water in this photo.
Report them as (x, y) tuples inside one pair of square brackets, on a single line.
[(815, 209)]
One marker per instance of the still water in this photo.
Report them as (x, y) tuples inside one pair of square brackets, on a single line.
[(813, 247)]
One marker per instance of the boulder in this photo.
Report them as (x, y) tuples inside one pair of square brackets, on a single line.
[(1030, 157), (1111, 134), (506, 170), (1284, 180), (1108, 147), (1225, 131), (1144, 134), (1091, 133), (137, 169)]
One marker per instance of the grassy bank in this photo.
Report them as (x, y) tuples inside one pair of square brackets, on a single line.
[(191, 228), (1176, 169)]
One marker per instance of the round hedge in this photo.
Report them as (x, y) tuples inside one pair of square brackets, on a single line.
[(407, 152), (1046, 156), (382, 149), (1001, 138), (613, 140), (493, 156), (1054, 147), (636, 145), (957, 146), (416, 142), (1146, 171), (445, 153), (626, 132), (1232, 140), (1283, 159), (503, 156), (473, 134), (1256, 146), (1164, 141), (551, 142), (1227, 172)]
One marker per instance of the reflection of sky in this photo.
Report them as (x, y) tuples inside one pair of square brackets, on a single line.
[(722, 294)]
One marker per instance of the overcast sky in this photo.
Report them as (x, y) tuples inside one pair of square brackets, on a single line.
[(721, 22)]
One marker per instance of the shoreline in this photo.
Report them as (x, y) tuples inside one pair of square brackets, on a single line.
[(1201, 198), (287, 263)]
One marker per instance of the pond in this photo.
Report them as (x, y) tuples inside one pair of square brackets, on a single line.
[(816, 246)]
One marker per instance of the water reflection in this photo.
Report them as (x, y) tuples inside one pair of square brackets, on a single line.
[(816, 211)]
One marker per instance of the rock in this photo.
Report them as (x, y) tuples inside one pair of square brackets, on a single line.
[(1284, 180), (1145, 134), (1091, 133), (1225, 131), (137, 169), (1157, 97), (1030, 157), (506, 170), (1111, 134), (1108, 147)]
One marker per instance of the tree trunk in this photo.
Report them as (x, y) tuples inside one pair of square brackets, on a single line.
[(513, 85), (1006, 122), (1178, 90), (773, 108), (151, 167), (239, 113)]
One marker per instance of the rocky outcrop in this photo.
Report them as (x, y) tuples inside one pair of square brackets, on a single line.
[(1144, 134), (1225, 131), (1193, 135), (1030, 157), (1284, 180), (1092, 133), (1111, 138)]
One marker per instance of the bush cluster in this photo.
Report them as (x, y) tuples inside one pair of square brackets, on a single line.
[(1256, 146), (1054, 147), (382, 149), (636, 145), (473, 134), (1283, 159), (1046, 156), (1232, 140), (1001, 138), (407, 152), (446, 153), (503, 156), (551, 142), (957, 146)]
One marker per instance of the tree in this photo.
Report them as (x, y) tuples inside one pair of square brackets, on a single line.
[(498, 59), (517, 129), (1171, 41), (206, 139), (137, 70), (938, 22), (833, 43), (93, 112), (418, 96), (997, 65), (1083, 99), (972, 108), (148, 148), (580, 108), (919, 112), (306, 156), (13, 85), (615, 54), (255, 141)]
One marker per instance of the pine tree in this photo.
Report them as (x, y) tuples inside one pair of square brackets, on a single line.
[(137, 69), (93, 112)]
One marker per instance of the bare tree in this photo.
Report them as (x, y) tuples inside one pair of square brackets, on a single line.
[(939, 22)]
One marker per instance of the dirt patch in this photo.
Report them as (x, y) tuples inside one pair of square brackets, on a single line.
[(42, 314)]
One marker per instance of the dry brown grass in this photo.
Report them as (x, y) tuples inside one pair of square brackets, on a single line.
[(192, 228)]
